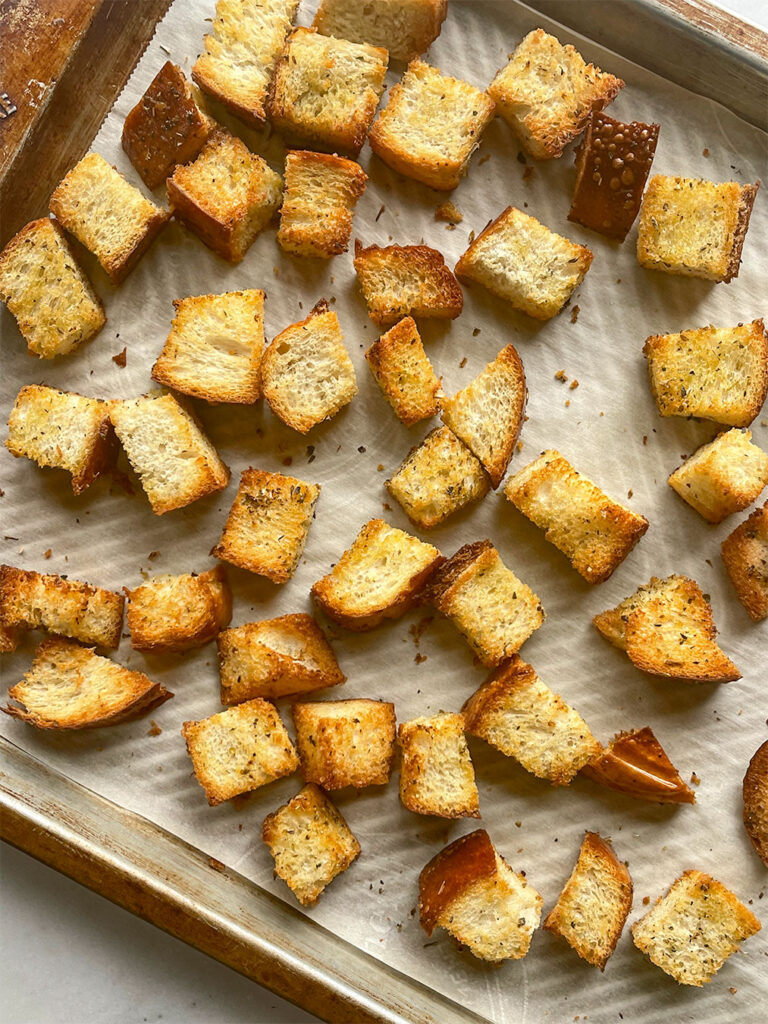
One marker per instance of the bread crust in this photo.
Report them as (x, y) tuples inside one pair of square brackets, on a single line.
[(346, 742), (745, 555), (406, 280), (635, 763), (755, 796), (451, 871)]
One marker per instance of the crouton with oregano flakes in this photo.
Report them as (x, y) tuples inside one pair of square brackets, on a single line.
[(636, 764), (71, 608), (405, 28), (692, 930), (404, 373), (381, 576), (71, 687), (469, 890), (274, 658), (431, 126), (62, 430), (755, 796), (436, 773), (406, 280), (547, 91), (345, 742), (592, 908), (177, 613), (310, 842), (46, 290), (592, 530), (722, 477), (519, 715), (745, 555), (267, 526)]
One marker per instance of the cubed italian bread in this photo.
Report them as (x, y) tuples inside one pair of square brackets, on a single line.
[(715, 373), (745, 555), (107, 214), (692, 930), (722, 477), (755, 796), (547, 91), (381, 576), (239, 750), (241, 50), (325, 91), (215, 347), (436, 773), (9, 639), (694, 227), (592, 530), (406, 280), (469, 890), (520, 260), (438, 477), (321, 192), (519, 715), (667, 629), (404, 373), (310, 842), (431, 126), (406, 28), (307, 375), (226, 196), (592, 908), (41, 283), (487, 415), (267, 526), (71, 687), (274, 658), (168, 126), (62, 430), (492, 609), (174, 460), (345, 742), (176, 613), (70, 608), (636, 764)]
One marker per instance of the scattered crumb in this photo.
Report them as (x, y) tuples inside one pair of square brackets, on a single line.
[(574, 384), (216, 864), (575, 314), (476, 331), (645, 439), (567, 403), (561, 376), (419, 628), (630, 492), (471, 237), (154, 729), (528, 173), (732, 990), (386, 506), (121, 358), (310, 453), (288, 460), (48, 553), (646, 900), (695, 780), (153, 555), (705, 152), (521, 155), (383, 208), (420, 658), (518, 824), (482, 159), (602, 414), (519, 446), (380, 467), (361, 449), (448, 212), (463, 363)]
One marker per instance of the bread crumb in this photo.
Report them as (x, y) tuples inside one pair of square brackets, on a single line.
[(418, 629), (383, 208), (574, 384), (216, 864), (386, 506), (154, 729), (630, 492), (288, 460), (567, 402), (153, 555), (705, 152), (575, 314), (420, 658), (561, 376), (733, 990), (380, 467), (121, 358), (695, 780), (463, 363), (48, 553), (528, 173), (448, 212), (645, 439), (519, 446), (646, 900), (475, 332)]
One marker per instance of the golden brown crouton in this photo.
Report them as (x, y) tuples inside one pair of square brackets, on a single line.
[(436, 773), (745, 554), (635, 763), (345, 742), (755, 795), (404, 27), (722, 477), (176, 613), (402, 280), (404, 373)]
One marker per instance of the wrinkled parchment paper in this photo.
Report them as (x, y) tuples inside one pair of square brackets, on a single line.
[(608, 427)]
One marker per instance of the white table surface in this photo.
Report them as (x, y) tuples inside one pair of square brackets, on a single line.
[(69, 956)]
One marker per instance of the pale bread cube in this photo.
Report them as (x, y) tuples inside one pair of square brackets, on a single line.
[(404, 373), (722, 477), (176, 613), (345, 742), (436, 773), (406, 280), (405, 28), (745, 555)]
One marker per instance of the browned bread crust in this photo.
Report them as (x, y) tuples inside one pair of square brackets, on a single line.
[(745, 554), (635, 763), (755, 794), (451, 871)]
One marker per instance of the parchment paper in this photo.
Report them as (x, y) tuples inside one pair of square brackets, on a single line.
[(106, 537)]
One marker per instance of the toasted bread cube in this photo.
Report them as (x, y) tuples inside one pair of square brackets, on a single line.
[(176, 613), (755, 794), (267, 526), (613, 162), (436, 773), (321, 193), (108, 215), (215, 347), (493, 610), (635, 763), (431, 126), (547, 91), (64, 431), (403, 280), (745, 554), (694, 227), (722, 477), (70, 687), (667, 629), (239, 750), (487, 415), (693, 929), (404, 373), (325, 91), (381, 576), (9, 639), (518, 714), (71, 608), (593, 531), (437, 478), (275, 658), (310, 842), (307, 375), (174, 460), (56, 308), (592, 908), (716, 373), (406, 28), (246, 39), (168, 126), (470, 890), (345, 742), (520, 260)]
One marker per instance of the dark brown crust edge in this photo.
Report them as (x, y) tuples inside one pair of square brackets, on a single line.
[(755, 794), (746, 202)]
